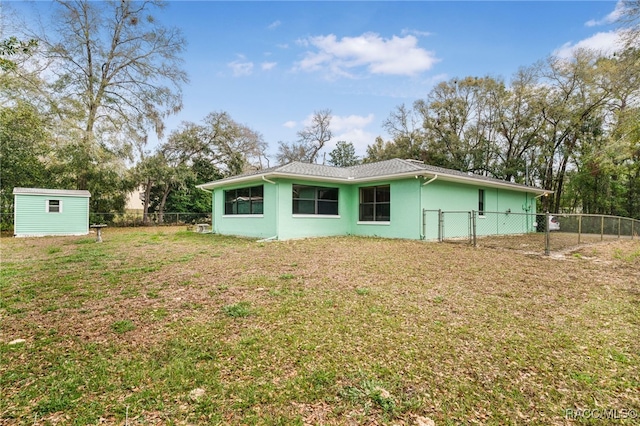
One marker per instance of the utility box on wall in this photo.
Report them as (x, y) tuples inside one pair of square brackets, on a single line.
[(42, 212)]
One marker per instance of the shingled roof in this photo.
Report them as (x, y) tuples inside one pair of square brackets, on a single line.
[(368, 172)]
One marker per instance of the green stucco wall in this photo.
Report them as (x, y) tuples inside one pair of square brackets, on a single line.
[(507, 211), (32, 218), (405, 217), (259, 226), (299, 226)]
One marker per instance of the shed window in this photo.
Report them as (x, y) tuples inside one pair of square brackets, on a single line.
[(481, 202), (375, 204), (244, 200), (315, 200), (54, 206)]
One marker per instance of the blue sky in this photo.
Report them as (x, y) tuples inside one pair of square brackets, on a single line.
[(270, 65)]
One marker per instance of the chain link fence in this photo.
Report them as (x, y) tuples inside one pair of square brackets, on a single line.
[(151, 219), (534, 232), (131, 219)]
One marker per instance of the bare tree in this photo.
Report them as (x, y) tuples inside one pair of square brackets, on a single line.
[(234, 147), (311, 140), (288, 152), (120, 70), (317, 134), (629, 22)]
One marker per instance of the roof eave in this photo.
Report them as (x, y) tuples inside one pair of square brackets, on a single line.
[(271, 175), (415, 173), (487, 183), (51, 192)]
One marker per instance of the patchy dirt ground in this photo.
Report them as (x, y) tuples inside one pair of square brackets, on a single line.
[(319, 331)]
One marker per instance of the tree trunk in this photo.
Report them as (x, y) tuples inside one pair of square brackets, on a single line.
[(165, 194), (145, 209)]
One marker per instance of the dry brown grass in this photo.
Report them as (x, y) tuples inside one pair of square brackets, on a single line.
[(335, 331)]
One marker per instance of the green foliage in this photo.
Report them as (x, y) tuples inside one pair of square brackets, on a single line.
[(123, 326), (287, 276), (12, 47), (343, 155), (570, 126), (238, 310), (22, 147), (186, 197)]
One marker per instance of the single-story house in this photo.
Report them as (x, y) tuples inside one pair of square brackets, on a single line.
[(41, 212), (386, 198)]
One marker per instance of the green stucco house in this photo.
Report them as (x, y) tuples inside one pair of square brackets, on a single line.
[(386, 199), (42, 212)]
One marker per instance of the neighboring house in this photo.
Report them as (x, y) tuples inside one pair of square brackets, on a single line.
[(387, 199), (135, 201), (40, 212)]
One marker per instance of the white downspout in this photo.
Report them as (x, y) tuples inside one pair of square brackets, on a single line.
[(430, 180), (275, 237), (422, 225)]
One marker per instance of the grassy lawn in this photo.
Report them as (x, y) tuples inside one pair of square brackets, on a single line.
[(164, 326)]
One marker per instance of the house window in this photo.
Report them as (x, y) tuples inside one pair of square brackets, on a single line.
[(244, 200), (54, 206), (481, 202), (375, 204), (315, 200)]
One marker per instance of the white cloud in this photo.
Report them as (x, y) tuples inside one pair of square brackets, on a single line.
[(274, 25), (241, 66), (341, 124), (352, 128), (605, 42), (360, 138), (266, 66), (610, 18), (394, 56), (418, 33)]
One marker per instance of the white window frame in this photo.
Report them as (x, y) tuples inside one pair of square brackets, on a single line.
[(316, 201), (251, 200), (375, 203), (48, 205)]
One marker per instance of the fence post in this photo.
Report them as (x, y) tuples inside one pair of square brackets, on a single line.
[(619, 223), (473, 225), (547, 248), (632, 222), (440, 225), (601, 228), (424, 224), (579, 227)]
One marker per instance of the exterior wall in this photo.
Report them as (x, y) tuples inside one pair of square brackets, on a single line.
[(409, 197), (258, 225), (300, 226), (134, 202), (33, 220), (507, 211), (405, 216)]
